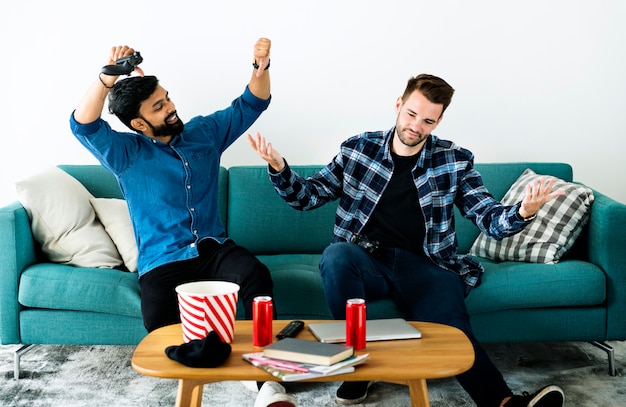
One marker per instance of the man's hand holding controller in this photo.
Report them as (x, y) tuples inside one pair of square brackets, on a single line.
[(109, 74)]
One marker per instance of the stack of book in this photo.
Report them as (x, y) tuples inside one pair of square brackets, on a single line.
[(292, 359)]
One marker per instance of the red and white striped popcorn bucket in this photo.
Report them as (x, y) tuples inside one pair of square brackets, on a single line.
[(207, 306)]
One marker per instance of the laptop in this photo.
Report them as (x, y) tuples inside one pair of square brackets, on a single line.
[(375, 330)]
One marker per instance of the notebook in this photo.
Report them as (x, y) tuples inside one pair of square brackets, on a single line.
[(375, 330)]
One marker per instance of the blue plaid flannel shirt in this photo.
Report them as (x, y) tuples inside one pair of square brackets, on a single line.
[(359, 174)]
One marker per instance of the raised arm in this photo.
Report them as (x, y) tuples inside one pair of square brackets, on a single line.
[(90, 107), (260, 82)]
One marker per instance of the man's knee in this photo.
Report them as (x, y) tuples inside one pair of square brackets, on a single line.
[(339, 256), (258, 278), (246, 267)]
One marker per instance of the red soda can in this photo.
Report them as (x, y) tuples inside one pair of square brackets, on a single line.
[(355, 323), (262, 316)]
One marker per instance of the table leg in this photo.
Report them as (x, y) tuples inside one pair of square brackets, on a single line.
[(418, 392), (189, 393)]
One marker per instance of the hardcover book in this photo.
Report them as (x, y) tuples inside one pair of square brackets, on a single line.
[(304, 351)]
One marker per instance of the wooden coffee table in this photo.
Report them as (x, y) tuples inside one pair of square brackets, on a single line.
[(443, 351)]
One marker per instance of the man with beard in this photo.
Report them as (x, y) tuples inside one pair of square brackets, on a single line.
[(168, 173), (394, 228)]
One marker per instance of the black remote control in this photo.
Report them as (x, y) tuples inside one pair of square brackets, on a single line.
[(290, 330)]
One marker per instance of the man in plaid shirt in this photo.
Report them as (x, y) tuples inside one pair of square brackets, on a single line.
[(394, 231)]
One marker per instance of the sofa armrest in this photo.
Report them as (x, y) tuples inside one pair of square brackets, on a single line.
[(17, 251), (606, 248)]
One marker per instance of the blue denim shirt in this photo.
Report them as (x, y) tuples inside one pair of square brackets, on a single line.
[(171, 189), (444, 176)]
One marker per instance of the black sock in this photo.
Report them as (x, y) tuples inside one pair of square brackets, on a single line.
[(210, 351)]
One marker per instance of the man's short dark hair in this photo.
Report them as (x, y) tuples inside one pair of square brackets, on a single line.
[(126, 96), (435, 89)]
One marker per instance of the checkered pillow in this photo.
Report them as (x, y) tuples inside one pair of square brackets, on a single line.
[(547, 238)]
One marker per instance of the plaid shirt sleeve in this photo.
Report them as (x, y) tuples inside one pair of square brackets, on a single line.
[(307, 194), (490, 216), (356, 176)]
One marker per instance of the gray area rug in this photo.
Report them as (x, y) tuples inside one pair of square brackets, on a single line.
[(68, 376)]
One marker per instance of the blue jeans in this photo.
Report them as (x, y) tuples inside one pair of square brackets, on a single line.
[(421, 290)]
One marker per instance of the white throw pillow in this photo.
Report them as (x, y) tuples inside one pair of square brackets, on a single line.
[(547, 238), (114, 215), (63, 221)]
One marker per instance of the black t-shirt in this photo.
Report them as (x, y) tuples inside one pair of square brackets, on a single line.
[(397, 221)]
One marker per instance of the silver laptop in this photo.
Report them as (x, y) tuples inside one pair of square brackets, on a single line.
[(375, 330)]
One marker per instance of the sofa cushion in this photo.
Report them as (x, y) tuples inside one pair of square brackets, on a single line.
[(113, 214), (298, 289), (261, 221), (99, 181), (546, 239), (57, 286), (516, 285), (63, 221)]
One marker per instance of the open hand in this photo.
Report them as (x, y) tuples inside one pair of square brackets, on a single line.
[(538, 192), (266, 152)]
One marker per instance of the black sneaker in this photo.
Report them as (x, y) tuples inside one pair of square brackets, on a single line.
[(352, 392), (549, 396)]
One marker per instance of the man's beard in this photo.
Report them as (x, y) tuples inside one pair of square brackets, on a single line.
[(409, 142), (167, 129)]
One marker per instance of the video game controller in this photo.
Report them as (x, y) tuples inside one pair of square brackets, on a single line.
[(123, 66)]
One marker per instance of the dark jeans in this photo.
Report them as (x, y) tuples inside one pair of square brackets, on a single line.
[(225, 262), (421, 290)]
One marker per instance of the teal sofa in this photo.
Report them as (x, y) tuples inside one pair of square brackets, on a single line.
[(581, 298)]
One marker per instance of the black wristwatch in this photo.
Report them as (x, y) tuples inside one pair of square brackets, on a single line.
[(256, 66), (528, 219)]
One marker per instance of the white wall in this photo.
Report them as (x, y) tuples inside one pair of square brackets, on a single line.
[(536, 80)]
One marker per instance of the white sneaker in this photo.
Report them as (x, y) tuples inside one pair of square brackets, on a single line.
[(272, 394), (250, 385)]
